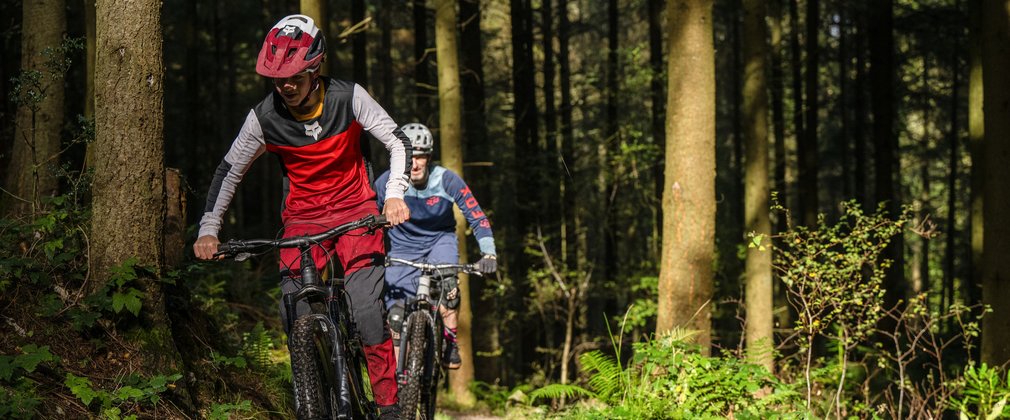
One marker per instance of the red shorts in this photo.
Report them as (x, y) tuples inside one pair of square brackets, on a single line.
[(354, 250)]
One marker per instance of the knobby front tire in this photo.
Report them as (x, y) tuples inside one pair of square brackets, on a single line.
[(417, 349), (310, 362)]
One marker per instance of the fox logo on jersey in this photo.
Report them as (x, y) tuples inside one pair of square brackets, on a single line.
[(313, 130)]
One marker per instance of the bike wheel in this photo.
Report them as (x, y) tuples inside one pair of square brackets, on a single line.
[(417, 348), (433, 370), (311, 369)]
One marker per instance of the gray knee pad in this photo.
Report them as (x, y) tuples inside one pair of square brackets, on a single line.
[(450, 286), (395, 319)]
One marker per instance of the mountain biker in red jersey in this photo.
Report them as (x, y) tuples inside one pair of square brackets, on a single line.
[(313, 123)]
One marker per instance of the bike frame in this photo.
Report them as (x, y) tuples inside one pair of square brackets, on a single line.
[(328, 305)]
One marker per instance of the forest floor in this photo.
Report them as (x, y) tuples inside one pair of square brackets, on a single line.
[(455, 415)]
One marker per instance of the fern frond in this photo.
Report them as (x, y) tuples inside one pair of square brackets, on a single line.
[(607, 380), (555, 391)]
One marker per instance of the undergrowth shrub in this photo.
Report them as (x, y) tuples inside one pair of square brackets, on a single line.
[(668, 377)]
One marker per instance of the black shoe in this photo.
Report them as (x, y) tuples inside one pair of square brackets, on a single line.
[(451, 359), (389, 412)]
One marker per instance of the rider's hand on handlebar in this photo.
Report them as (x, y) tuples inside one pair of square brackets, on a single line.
[(205, 247), (396, 211), (488, 264)]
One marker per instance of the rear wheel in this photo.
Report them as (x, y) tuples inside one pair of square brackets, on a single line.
[(417, 348), (311, 369)]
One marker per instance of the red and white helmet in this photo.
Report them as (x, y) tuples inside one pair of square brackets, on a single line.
[(292, 46)]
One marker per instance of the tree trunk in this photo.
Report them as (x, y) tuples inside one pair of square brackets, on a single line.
[(566, 149), (552, 183), (422, 80), (129, 181), (996, 200), (976, 134), (612, 144), (953, 138), (39, 119), (685, 276), (807, 148), (475, 133), (450, 106), (524, 112), (760, 342), (656, 87), (778, 107), (796, 57), (882, 81), (89, 72), (358, 41), (316, 9), (385, 58), (859, 111)]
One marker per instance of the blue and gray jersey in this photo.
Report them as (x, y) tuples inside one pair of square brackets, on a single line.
[(431, 215)]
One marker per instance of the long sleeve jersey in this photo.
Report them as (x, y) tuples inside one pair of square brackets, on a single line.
[(431, 213), (320, 154)]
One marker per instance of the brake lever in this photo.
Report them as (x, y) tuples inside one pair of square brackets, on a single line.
[(242, 256)]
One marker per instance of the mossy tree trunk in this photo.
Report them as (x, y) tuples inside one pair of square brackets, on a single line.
[(685, 276)]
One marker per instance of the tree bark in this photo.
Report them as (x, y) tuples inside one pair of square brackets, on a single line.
[(316, 9), (976, 134), (385, 58), (129, 181), (475, 135), (39, 121), (526, 146), (807, 148), (358, 41), (656, 87), (450, 106), (886, 164), (996, 199), (566, 149), (422, 80), (685, 276), (796, 58), (953, 138), (758, 272)]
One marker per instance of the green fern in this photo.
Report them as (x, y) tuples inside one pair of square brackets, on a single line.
[(256, 346), (607, 376), (555, 391)]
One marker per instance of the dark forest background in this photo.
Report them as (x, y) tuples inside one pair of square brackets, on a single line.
[(867, 116)]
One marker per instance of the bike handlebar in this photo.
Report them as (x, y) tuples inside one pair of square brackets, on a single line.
[(240, 249), (440, 268)]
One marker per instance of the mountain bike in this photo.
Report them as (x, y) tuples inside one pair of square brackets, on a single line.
[(421, 341), (327, 360)]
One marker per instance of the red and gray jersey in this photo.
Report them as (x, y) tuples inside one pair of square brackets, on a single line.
[(321, 157)]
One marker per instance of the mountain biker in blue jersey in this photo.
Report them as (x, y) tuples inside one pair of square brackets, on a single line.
[(430, 234)]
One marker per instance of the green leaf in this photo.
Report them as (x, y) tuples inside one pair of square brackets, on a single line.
[(33, 356), (81, 388), (129, 300)]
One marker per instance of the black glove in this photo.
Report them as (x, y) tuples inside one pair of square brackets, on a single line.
[(488, 264)]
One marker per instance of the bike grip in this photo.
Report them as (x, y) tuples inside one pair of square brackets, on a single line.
[(380, 220), (224, 248)]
